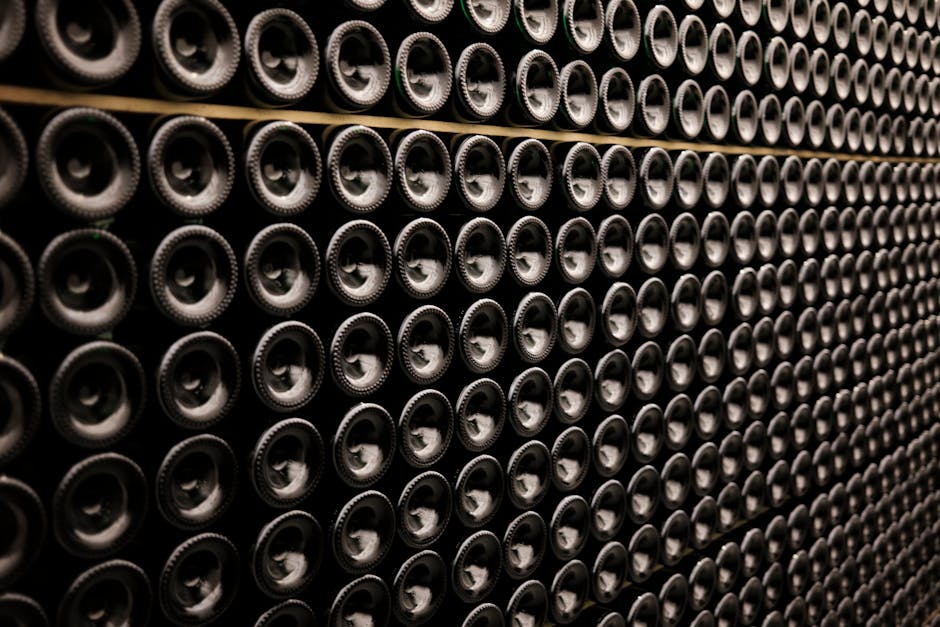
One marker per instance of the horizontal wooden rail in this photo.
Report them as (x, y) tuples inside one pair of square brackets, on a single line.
[(32, 96)]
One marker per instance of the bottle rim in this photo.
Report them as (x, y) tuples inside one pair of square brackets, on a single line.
[(693, 44), (427, 47), (539, 103), (530, 161), (576, 235), (572, 581), (425, 569), (369, 147), (180, 306), (616, 86), (619, 313), (430, 326), (676, 532), (480, 173), (478, 357), (368, 39), (306, 343), (486, 105), (681, 361), (582, 176), (750, 57), (114, 258), (538, 26), (480, 237), (613, 378), (19, 495), (572, 512), (579, 93), (480, 414), (131, 578), (744, 115), (574, 374), (124, 417), (820, 19), (487, 21), (294, 31), (19, 290), (366, 5), (486, 473), (270, 192), (529, 249), (744, 184), (99, 128), (688, 188), (645, 541), (13, 144), (689, 109), (365, 424), (722, 46), (799, 67), (223, 66), (653, 100), (301, 269), (652, 305), (622, 23), (711, 355), (221, 478), (419, 155), (375, 335), (291, 609), (419, 242), (532, 459), (715, 237), (715, 296), (648, 373), (379, 603), (12, 27), (346, 274), (65, 52), (768, 178), (127, 517), (426, 486), (660, 37), (615, 246), (777, 59), (717, 112), (656, 176), (199, 134), (303, 432), (584, 40), (382, 523), (532, 385), (777, 15), (686, 302), (530, 599)]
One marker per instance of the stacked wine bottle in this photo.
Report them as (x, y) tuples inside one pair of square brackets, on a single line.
[(469, 312)]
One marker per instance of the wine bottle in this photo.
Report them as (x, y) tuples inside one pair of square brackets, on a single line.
[(196, 45), (12, 27), (91, 45), (359, 65), (193, 275), (88, 163), (196, 482), (199, 579), (117, 488), (283, 57), (422, 74), (191, 166), (118, 590)]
